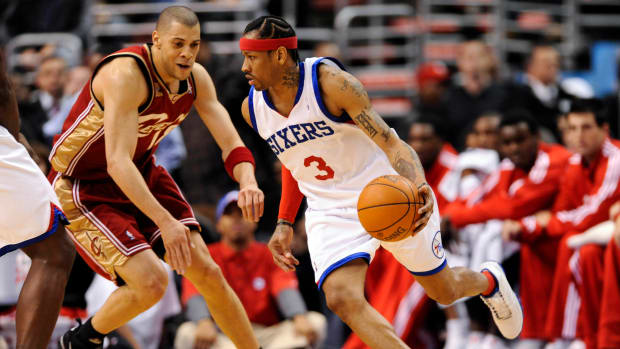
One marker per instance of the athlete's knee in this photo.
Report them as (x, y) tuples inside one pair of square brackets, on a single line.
[(152, 286), (343, 300), (205, 271)]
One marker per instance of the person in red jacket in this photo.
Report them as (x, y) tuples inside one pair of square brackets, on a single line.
[(589, 187), (528, 180), (609, 321), (269, 295)]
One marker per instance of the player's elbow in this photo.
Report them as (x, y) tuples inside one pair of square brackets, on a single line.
[(115, 165)]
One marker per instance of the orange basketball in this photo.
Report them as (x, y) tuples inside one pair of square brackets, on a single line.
[(388, 207)]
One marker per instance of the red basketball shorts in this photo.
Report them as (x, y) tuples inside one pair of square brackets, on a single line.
[(107, 227)]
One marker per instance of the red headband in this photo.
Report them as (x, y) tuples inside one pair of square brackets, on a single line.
[(246, 44)]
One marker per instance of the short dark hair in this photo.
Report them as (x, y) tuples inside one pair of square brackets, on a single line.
[(273, 27), (435, 121), (516, 116), (181, 14), (590, 105)]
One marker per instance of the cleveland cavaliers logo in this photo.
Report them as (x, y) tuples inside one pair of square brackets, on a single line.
[(157, 126)]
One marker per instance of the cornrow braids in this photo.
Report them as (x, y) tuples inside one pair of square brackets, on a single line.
[(273, 27)]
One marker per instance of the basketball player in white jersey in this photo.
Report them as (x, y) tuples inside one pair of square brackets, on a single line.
[(31, 220), (318, 120)]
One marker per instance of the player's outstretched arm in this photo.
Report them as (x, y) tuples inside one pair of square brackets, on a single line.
[(217, 120), (122, 88), (342, 91)]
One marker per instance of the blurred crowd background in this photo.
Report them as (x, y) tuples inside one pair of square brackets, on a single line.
[(456, 66)]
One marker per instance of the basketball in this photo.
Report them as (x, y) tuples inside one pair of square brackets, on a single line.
[(388, 207)]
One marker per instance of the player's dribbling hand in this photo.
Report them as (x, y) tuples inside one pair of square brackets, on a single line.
[(280, 247), (251, 201), (425, 211), (175, 236)]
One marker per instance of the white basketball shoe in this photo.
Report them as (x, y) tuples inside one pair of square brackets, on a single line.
[(503, 303)]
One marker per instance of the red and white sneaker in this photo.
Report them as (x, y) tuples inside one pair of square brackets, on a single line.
[(503, 303)]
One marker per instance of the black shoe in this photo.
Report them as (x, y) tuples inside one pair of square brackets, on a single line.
[(68, 340)]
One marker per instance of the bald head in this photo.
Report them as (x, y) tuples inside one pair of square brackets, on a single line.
[(181, 14)]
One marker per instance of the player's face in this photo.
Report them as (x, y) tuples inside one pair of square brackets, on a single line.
[(518, 145), (424, 141), (51, 76), (179, 46), (486, 133), (257, 68), (585, 136), (234, 229)]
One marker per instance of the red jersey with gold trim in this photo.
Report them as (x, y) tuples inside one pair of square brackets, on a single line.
[(79, 151)]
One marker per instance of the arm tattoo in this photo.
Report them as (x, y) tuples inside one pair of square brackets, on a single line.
[(386, 134), (345, 85), (291, 78), (364, 120), (404, 165), (358, 89)]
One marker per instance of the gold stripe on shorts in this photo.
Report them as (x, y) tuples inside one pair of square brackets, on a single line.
[(91, 240)]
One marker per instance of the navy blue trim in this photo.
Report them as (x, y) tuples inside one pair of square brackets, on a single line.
[(300, 89), (251, 107), (302, 79), (59, 217), (430, 272), (317, 92), (342, 262)]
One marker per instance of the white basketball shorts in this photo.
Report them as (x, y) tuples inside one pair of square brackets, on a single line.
[(29, 207), (336, 237)]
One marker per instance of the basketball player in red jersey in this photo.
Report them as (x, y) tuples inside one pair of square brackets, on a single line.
[(125, 211)]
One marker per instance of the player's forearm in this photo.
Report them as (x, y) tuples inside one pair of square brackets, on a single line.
[(126, 175), (407, 163), (244, 172)]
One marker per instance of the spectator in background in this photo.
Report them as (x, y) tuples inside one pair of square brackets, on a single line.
[(431, 80), (542, 93), (609, 322), (265, 291), (589, 188), (77, 77), (527, 181), (50, 82), (476, 91), (427, 137), (485, 132)]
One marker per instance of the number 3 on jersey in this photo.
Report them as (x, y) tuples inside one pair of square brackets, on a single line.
[(326, 171)]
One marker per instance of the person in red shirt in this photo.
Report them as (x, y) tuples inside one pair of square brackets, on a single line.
[(528, 180), (269, 295), (589, 188)]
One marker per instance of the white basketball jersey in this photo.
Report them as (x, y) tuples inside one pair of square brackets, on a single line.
[(329, 156)]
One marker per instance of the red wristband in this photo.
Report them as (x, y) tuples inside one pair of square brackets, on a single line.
[(291, 196), (236, 156)]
